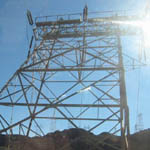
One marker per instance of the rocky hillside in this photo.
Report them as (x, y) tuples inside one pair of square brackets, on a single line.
[(75, 139)]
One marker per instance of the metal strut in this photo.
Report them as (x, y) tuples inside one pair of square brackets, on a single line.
[(123, 99), (71, 57)]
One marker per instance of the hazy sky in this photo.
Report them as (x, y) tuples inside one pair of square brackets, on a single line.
[(15, 31)]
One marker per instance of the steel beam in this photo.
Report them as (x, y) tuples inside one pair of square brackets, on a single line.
[(86, 119), (58, 105), (70, 69)]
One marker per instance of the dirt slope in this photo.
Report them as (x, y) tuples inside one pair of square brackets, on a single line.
[(75, 139)]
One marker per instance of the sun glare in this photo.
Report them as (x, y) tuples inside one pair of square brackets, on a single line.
[(85, 90), (145, 25)]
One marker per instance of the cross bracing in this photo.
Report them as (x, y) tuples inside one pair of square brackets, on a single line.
[(73, 74)]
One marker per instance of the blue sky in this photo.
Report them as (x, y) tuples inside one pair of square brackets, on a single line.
[(14, 28), (15, 31)]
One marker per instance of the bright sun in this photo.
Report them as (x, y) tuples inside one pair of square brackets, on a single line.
[(144, 25)]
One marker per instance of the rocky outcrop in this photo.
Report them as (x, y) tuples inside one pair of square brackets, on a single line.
[(140, 140), (75, 139)]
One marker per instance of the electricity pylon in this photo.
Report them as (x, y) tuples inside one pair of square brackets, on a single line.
[(68, 57), (139, 126)]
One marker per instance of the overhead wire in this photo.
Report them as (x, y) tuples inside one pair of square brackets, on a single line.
[(139, 89), (141, 49)]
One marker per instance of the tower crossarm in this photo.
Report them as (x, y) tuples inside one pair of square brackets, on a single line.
[(100, 26)]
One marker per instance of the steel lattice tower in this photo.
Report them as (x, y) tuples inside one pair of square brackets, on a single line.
[(74, 73)]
